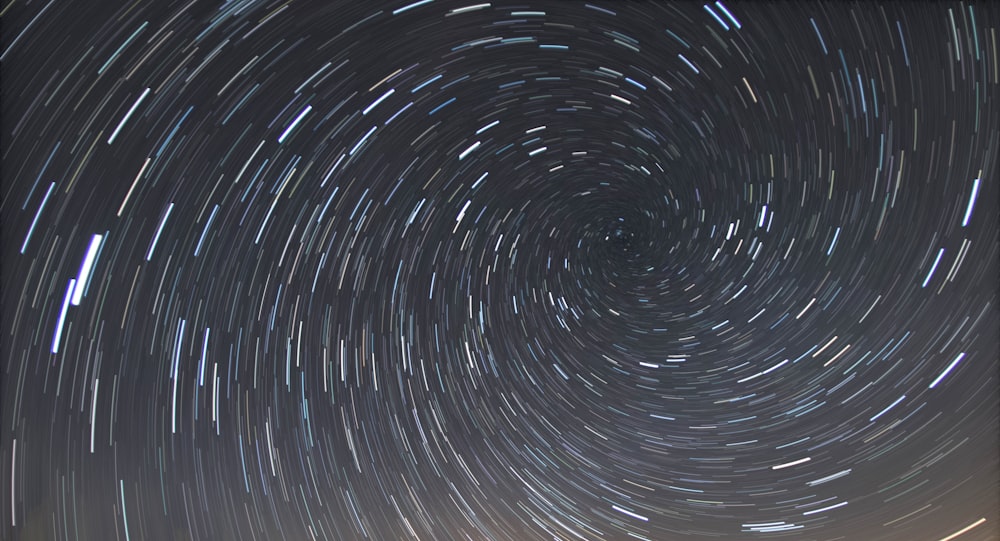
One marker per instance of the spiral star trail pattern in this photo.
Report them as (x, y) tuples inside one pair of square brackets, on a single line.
[(459, 270)]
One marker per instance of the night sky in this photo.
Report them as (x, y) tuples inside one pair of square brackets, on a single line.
[(500, 271)]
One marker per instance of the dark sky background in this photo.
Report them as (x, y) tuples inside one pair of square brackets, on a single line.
[(499, 271)]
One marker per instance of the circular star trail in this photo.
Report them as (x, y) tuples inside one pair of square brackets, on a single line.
[(457, 270)]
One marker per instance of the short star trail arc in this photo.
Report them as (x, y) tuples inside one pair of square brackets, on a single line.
[(457, 270)]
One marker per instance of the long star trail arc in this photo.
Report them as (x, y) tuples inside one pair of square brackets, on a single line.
[(449, 269)]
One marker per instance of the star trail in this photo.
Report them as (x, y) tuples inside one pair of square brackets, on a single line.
[(595, 270)]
